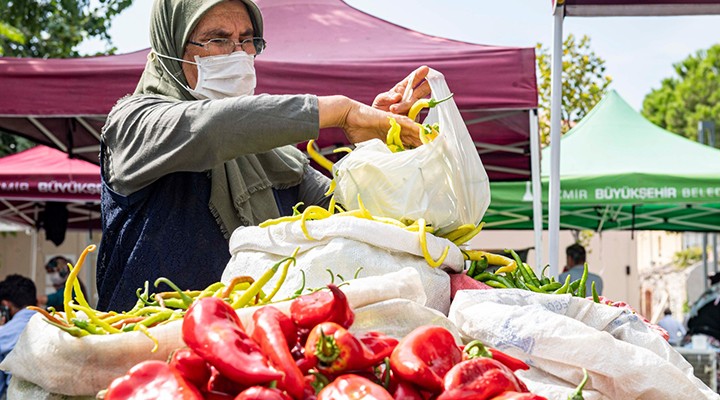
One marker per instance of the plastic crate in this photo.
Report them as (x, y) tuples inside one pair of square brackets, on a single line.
[(704, 362)]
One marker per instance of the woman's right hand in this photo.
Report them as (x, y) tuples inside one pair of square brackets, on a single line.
[(361, 122)]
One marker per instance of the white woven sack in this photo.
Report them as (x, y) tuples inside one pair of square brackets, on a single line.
[(443, 181), (342, 245), (47, 363), (559, 335), (63, 364)]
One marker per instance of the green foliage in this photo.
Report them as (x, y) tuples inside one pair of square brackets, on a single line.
[(685, 258), (584, 83), (54, 28), (691, 96), (11, 34)]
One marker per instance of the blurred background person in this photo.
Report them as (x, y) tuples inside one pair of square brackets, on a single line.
[(58, 271), (675, 329), (16, 293), (575, 254)]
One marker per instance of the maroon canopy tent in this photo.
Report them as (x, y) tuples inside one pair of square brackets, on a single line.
[(617, 8), (314, 46), (43, 178)]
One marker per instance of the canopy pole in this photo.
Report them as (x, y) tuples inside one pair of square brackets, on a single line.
[(536, 188), (34, 256), (555, 109)]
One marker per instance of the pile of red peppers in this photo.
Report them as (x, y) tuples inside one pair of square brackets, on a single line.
[(312, 355)]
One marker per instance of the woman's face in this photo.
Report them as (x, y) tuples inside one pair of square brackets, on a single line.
[(230, 20)]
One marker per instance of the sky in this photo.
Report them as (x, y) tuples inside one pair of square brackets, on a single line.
[(638, 51)]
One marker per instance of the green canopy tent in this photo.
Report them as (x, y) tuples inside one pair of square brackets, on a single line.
[(619, 171)]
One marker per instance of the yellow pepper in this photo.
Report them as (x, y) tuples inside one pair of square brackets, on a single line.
[(424, 103), (317, 157)]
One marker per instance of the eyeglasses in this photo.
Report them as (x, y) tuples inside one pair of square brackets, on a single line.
[(228, 46)]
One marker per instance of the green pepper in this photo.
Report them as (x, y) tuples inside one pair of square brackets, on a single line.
[(577, 395), (565, 287), (583, 282)]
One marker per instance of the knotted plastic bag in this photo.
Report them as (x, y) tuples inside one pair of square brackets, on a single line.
[(443, 181)]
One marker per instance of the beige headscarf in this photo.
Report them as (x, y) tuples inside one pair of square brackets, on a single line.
[(241, 188)]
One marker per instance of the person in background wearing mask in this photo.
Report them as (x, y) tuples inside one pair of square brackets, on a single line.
[(58, 271), (194, 154), (575, 255), (16, 293)]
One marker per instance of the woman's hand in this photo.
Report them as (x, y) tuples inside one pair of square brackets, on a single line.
[(392, 100), (361, 122)]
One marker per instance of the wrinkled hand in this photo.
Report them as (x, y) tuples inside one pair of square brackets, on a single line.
[(364, 123), (392, 100)]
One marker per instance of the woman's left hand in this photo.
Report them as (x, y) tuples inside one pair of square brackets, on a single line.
[(392, 100)]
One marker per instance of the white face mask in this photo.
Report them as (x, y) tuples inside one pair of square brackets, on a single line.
[(222, 76), (56, 279)]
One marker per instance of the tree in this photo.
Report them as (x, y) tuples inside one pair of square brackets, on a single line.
[(52, 29), (691, 96), (584, 83)]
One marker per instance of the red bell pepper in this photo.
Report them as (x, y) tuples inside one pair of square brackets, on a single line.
[(337, 350), (271, 329), (351, 387), (518, 396), (191, 366), (479, 379), (424, 356), (476, 349), (152, 380), (407, 391), (262, 393), (221, 385), (322, 306), (213, 330)]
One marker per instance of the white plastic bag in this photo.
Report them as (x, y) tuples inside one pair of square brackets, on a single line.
[(443, 182)]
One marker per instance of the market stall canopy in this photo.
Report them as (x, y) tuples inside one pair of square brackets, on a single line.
[(321, 47), (604, 8), (42, 187), (619, 171)]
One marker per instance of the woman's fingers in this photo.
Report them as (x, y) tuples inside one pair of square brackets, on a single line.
[(384, 101), (403, 106), (395, 99)]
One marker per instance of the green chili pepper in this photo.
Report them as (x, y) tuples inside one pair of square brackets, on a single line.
[(574, 287), (551, 287), (185, 298), (531, 273), (583, 282), (484, 276), (495, 284), (87, 326), (471, 270), (210, 290), (577, 395), (596, 297), (565, 287), (544, 279), (73, 330), (505, 281), (154, 319)]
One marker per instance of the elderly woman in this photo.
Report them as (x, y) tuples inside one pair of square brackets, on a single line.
[(194, 154)]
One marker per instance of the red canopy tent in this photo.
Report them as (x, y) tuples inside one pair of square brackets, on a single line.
[(315, 46), (34, 178)]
